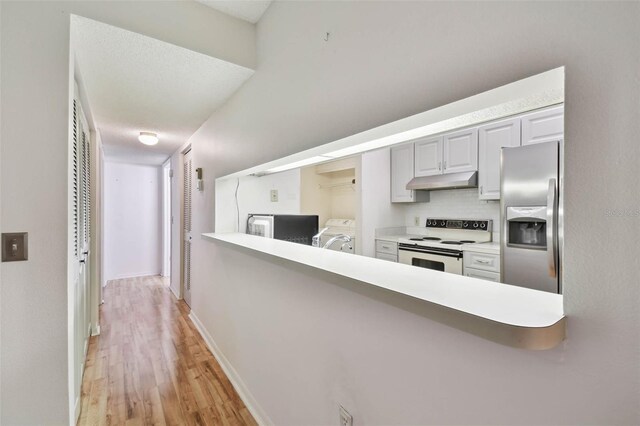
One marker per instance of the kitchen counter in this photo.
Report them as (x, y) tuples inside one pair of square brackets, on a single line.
[(510, 315), (487, 248)]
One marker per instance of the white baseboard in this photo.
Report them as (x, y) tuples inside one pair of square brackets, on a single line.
[(133, 275), (76, 411), (245, 395), (174, 293)]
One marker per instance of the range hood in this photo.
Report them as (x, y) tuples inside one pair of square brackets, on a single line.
[(446, 181)]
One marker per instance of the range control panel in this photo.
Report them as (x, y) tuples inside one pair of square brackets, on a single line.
[(477, 225)]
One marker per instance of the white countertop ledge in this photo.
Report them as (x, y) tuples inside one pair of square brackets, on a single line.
[(509, 305)]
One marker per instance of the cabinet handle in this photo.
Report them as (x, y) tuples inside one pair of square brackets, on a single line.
[(480, 189), (445, 165), (484, 262), (439, 165)]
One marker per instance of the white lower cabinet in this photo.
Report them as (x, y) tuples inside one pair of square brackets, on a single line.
[(485, 266), (385, 256), (387, 250), (483, 275)]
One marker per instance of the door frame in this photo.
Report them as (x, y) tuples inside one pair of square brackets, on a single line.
[(167, 219), (178, 177), (186, 150)]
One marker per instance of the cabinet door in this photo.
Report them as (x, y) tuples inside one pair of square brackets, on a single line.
[(428, 156), (483, 275), (483, 261), (461, 151), (385, 256), (491, 139), (387, 247), (401, 173), (543, 126)]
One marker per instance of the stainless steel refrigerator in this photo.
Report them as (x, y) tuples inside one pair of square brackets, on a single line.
[(531, 225)]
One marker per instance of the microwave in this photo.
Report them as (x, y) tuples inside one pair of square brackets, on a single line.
[(295, 228)]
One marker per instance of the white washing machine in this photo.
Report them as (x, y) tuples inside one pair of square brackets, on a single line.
[(337, 227)]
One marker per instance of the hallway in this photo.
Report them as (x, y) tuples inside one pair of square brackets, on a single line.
[(151, 366)]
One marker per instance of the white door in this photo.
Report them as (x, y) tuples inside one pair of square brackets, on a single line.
[(460, 151), (491, 139), (80, 243), (543, 126), (428, 156), (401, 173), (186, 246)]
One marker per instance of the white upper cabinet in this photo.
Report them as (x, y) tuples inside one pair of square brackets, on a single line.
[(471, 149), (460, 151), (450, 153), (428, 156), (543, 126), (401, 173), (491, 139)]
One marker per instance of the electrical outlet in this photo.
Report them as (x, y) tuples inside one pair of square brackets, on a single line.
[(345, 418), (274, 195), (416, 221)]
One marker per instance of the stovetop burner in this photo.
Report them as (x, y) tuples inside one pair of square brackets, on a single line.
[(457, 243), (415, 239), (467, 241), (431, 239)]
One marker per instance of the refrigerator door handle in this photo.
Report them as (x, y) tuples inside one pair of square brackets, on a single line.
[(552, 205)]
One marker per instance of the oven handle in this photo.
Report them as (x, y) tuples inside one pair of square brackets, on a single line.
[(457, 256)]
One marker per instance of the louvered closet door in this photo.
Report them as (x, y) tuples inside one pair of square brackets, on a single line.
[(77, 201), (81, 231), (186, 246), (86, 236)]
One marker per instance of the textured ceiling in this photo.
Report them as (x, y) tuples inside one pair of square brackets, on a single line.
[(248, 10), (136, 83)]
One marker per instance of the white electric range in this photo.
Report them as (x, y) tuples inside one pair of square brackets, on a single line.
[(441, 248)]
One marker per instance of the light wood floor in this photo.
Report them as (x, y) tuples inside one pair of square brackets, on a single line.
[(150, 366)]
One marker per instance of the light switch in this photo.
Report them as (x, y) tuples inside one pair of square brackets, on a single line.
[(15, 247), (274, 195)]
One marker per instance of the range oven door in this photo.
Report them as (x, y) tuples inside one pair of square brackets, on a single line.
[(446, 262)]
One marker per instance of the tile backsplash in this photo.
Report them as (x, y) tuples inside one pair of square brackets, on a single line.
[(455, 204)]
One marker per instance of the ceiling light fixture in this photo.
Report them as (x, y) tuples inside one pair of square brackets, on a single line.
[(148, 138)]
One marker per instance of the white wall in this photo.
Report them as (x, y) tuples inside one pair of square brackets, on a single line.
[(34, 200), (377, 209), (0, 213), (386, 360), (455, 203), (314, 200), (343, 198), (254, 196), (133, 220), (36, 84)]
